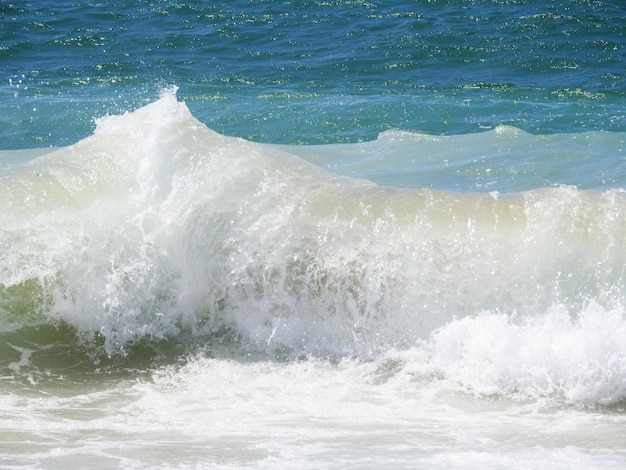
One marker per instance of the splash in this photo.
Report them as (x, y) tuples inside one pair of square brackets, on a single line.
[(580, 361), (156, 226)]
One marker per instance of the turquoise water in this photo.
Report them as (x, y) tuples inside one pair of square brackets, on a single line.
[(313, 235), (315, 72)]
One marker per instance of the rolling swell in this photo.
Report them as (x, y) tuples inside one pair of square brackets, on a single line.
[(156, 228)]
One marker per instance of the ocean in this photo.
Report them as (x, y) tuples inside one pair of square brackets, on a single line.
[(319, 234)]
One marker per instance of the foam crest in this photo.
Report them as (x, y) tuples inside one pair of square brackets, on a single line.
[(581, 361)]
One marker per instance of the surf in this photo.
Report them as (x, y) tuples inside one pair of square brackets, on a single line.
[(156, 228)]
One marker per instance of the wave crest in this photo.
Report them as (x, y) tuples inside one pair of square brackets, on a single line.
[(156, 226)]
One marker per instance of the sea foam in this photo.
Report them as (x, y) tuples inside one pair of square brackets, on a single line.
[(156, 226)]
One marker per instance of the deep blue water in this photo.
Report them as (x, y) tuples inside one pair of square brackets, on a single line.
[(314, 71)]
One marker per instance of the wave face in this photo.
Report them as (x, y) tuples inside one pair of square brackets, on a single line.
[(156, 227), (505, 159)]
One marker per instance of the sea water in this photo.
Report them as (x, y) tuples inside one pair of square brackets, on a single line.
[(313, 235)]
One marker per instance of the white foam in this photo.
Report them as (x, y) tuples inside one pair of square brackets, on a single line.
[(580, 361), (156, 225)]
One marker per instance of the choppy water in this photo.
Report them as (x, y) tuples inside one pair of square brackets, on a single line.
[(433, 276), (315, 71)]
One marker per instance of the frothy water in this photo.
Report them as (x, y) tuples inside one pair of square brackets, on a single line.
[(280, 312), (156, 226)]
